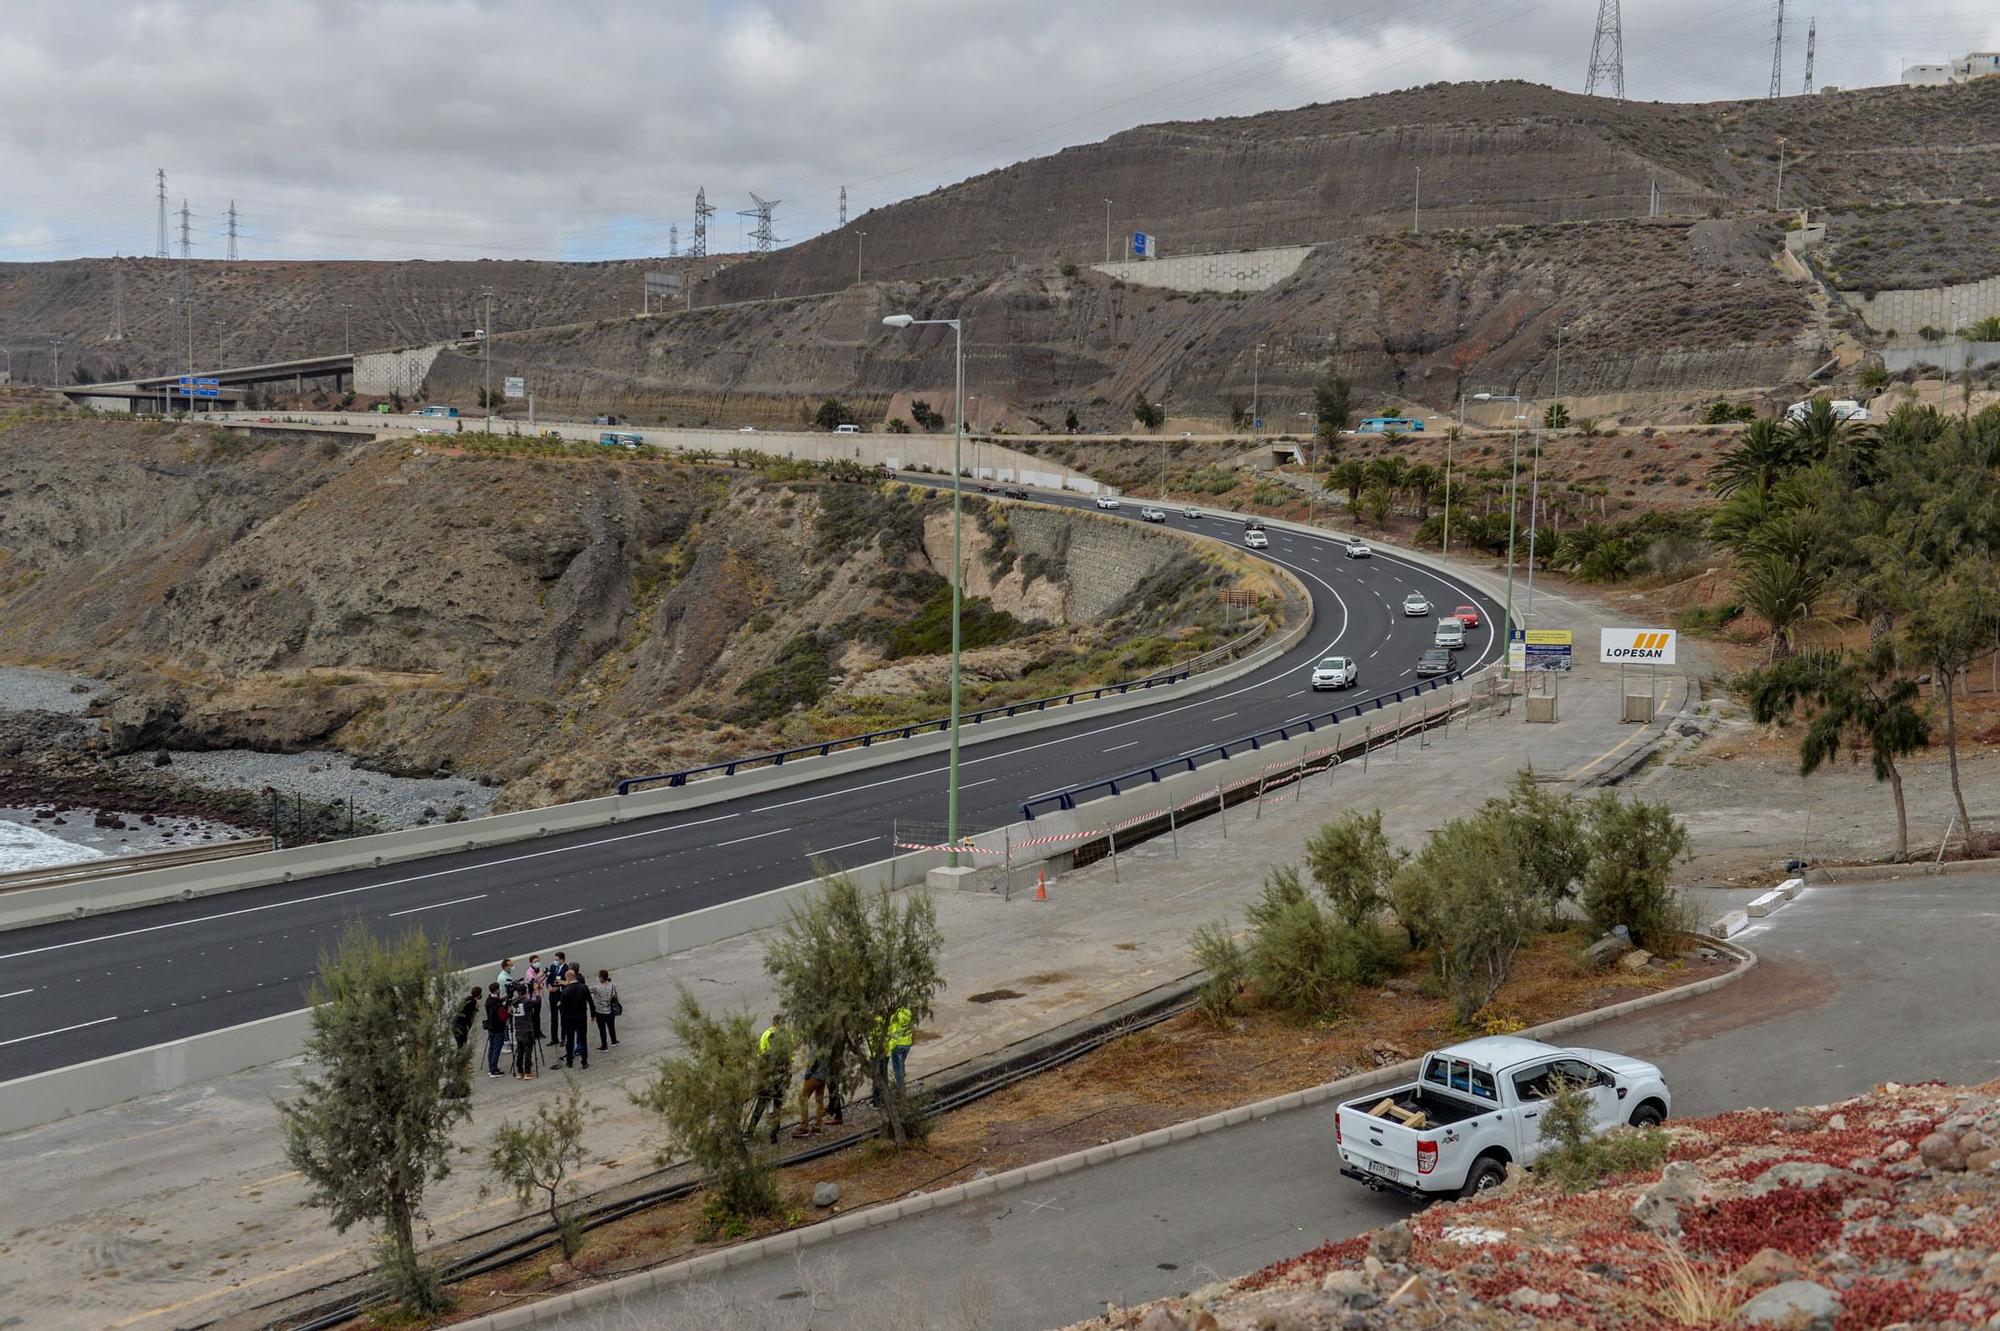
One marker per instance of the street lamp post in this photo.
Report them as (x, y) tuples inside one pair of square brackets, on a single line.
[(1107, 231), (1513, 505), (486, 335), (859, 236), (1447, 476), (1256, 382), (900, 321)]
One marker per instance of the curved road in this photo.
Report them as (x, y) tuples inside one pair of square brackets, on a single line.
[(83, 989)]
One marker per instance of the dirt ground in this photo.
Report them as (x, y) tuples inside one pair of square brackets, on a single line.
[(1182, 1068)]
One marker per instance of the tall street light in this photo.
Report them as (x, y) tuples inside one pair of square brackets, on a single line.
[(1107, 231), (1513, 493), (900, 321), (859, 236), (1256, 382)]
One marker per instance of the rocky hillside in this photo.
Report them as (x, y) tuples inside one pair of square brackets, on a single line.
[(1493, 154), (253, 311), (1657, 307), (1881, 1211), (548, 617)]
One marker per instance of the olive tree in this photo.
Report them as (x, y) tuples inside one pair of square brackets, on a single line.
[(846, 964), (704, 1095), (1633, 849), (385, 1085), (537, 1158), (1352, 861), (1468, 897)]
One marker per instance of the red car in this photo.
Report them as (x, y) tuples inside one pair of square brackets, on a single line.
[(1468, 615)]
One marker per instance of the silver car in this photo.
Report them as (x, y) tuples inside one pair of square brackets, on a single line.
[(1335, 672)]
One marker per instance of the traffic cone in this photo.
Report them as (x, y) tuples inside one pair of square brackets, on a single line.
[(1041, 885)]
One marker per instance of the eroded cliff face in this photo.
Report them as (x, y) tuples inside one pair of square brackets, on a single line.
[(552, 621)]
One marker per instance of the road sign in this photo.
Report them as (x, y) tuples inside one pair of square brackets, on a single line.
[(1141, 245), (186, 391), (1637, 646), (1547, 649), (200, 382), (514, 386)]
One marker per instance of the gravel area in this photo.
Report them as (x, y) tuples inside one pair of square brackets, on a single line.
[(23, 689), (398, 801)]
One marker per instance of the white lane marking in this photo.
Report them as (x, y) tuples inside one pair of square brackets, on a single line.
[(519, 923), (60, 1030), (759, 836), (1128, 744), (1300, 694), (365, 887), (455, 901), (968, 785), (1224, 717), (17, 993), (845, 845)]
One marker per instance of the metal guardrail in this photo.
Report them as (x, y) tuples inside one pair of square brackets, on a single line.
[(1188, 762), (118, 865), (1193, 666)]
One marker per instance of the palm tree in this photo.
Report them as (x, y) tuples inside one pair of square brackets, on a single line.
[(1422, 479), (1556, 417), (1390, 473), (1350, 476), (1767, 453), (1785, 594)]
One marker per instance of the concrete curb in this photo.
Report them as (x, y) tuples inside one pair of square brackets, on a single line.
[(1859, 873), (82, 898), (708, 1264)]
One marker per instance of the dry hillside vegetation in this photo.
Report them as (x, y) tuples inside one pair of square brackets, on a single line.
[(547, 616)]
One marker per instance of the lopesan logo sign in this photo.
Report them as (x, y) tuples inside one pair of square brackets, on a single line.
[(1637, 646)]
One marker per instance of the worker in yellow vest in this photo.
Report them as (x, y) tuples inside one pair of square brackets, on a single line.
[(774, 1053), (902, 1034)]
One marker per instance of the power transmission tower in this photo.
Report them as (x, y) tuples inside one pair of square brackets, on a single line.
[(1607, 52), (232, 230), (674, 240), (843, 205), (1812, 43), (185, 243), (161, 248), (703, 210), (762, 234), (1778, 53)]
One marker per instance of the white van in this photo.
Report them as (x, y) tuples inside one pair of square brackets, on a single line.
[(1844, 409), (847, 429), (1450, 633)]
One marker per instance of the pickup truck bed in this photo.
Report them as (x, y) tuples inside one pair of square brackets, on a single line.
[(1438, 1110)]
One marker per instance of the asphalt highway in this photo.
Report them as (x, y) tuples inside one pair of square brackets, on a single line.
[(83, 989)]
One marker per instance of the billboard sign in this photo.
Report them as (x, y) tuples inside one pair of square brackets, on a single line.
[(1548, 649), (663, 284), (1637, 646), (514, 386)]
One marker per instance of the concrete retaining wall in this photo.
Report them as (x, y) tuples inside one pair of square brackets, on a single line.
[(1950, 357), (1241, 270), (1909, 309), (380, 373)]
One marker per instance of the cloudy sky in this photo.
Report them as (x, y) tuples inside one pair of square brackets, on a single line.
[(581, 129)]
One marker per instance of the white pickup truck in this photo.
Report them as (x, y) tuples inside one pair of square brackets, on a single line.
[(1476, 1108)]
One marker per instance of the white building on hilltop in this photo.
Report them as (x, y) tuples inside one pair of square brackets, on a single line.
[(1976, 65)]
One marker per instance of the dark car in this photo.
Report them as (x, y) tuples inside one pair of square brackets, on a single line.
[(1015, 492), (1253, 524), (1434, 661)]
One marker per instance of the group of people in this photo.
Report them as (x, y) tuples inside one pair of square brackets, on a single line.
[(512, 1004), (820, 1101)]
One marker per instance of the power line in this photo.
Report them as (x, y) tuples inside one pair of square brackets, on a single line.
[(1607, 51), (1778, 51)]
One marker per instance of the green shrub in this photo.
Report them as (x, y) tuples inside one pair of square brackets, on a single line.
[(1575, 1159), (1352, 861), (1633, 849), (1305, 961), (928, 631), (1216, 952), (799, 677)]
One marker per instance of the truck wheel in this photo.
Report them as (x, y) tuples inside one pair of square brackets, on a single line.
[(1487, 1174), (1648, 1115)]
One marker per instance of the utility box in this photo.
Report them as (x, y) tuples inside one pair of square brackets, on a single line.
[(1541, 707), (1638, 707)]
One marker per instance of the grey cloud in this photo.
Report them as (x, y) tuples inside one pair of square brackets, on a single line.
[(445, 128)]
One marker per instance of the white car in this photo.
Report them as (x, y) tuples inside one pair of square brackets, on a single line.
[(1415, 604), (1256, 539), (1191, 512), (747, 429), (1359, 550), (1106, 501), (1335, 672), (1475, 1109), (1152, 515), (1844, 409)]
